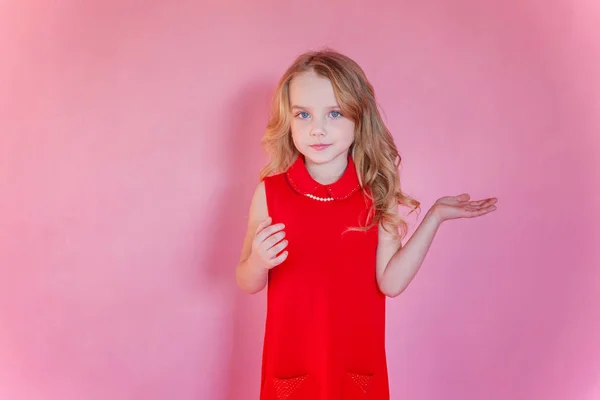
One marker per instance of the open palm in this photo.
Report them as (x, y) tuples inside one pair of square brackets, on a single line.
[(452, 207)]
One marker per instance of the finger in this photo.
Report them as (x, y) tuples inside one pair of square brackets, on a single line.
[(263, 224), (272, 240), (490, 200), (278, 248), (476, 205), (480, 202), (477, 209), (279, 259), (462, 197), (268, 231), (480, 212)]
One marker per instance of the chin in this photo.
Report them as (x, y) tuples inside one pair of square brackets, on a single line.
[(322, 157), (317, 160)]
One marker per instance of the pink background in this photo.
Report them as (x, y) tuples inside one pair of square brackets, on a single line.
[(129, 149)]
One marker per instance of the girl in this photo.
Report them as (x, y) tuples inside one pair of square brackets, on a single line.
[(324, 232)]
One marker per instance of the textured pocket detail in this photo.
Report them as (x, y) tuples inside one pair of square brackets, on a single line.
[(358, 386), (363, 381), (284, 388)]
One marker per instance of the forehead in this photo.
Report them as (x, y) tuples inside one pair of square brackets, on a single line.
[(309, 89)]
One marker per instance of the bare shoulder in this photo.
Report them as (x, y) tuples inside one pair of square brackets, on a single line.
[(258, 207)]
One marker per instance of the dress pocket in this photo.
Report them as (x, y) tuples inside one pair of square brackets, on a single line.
[(357, 386), (293, 388)]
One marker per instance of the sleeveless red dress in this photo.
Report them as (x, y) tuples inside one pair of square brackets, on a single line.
[(325, 325)]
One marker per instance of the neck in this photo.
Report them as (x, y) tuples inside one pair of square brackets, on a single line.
[(327, 173)]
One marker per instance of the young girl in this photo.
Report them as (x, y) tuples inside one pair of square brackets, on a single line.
[(324, 232)]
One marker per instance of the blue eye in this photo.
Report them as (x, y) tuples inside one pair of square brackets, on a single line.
[(303, 115), (335, 114)]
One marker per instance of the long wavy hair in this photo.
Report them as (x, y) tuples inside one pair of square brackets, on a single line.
[(374, 153)]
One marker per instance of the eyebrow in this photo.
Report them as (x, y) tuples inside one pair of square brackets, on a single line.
[(308, 108)]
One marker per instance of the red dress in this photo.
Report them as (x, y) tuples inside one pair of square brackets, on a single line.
[(325, 325)]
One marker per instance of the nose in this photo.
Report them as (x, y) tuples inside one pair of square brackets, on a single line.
[(317, 128), (317, 133)]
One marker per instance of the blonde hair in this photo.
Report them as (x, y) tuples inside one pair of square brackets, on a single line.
[(373, 151)]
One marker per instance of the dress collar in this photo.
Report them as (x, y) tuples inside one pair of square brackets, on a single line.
[(303, 183)]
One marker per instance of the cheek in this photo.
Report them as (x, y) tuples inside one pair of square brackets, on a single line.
[(346, 132), (296, 138), (298, 131)]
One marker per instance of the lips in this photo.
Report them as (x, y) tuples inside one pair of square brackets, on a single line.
[(320, 147)]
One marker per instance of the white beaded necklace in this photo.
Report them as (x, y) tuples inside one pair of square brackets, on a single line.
[(312, 196)]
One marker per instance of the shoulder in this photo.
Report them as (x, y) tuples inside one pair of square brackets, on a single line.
[(266, 190), (258, 206), (259, 191)]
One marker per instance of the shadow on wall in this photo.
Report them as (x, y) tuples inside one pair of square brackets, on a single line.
[(248, 114)]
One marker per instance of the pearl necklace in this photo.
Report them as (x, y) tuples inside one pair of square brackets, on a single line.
[(312, 196)]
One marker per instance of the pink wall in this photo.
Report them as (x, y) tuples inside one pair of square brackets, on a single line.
[(129, 148)]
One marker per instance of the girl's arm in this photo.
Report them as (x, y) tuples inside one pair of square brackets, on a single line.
[(252, 278), (264, 245), (397, 265)]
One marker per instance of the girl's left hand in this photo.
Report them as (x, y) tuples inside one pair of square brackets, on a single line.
[(452, 207)]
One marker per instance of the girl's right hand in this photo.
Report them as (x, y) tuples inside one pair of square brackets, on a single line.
[(268, 244)]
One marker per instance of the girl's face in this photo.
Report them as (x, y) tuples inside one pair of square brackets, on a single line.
[(319, 130)]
